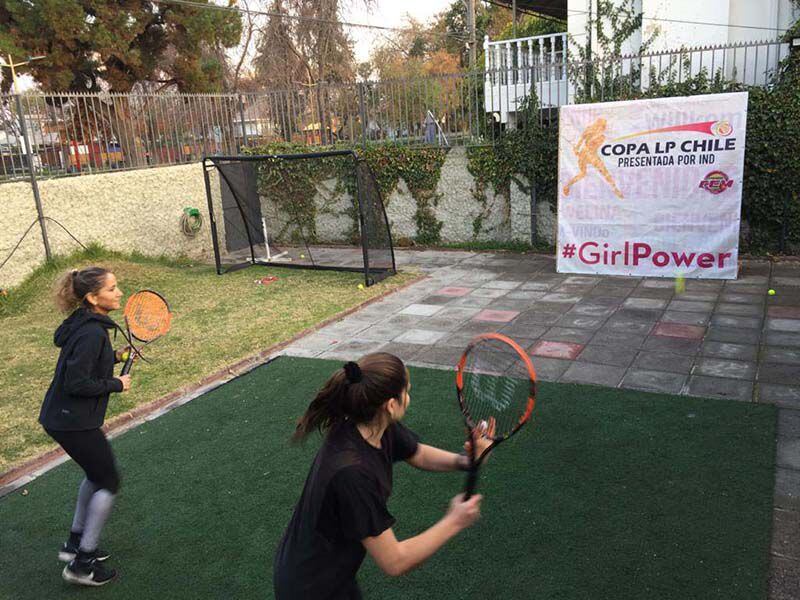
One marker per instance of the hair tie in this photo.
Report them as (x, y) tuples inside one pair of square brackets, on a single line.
[(353, 372), (74, 273)]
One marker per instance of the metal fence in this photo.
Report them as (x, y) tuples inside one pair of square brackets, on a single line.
[(88, 133)]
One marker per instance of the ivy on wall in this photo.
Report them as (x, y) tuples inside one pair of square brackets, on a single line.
[(296, 184)]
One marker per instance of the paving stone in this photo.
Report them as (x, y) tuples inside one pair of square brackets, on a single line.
[(576, 290), (780, 338), (686, 318), (439, 355), (729, 350), (738, 322), (523, 330), (621, 325), (476, 327), (686, 306), (613, 338), (591, 309), (704, 285), (537, 286), (729, 334), (436, 299), (786, 281), (404, 352), (789, 423), (787, 489), (454, 291), (489, 293), (539, 317), (784, 312), (496, 316), (741, 298), (316, 341), (421, 310), (653, 381), (420, 336), (716, 387), (785, 325), (524, 295), (352, 349), (381, 332), (564, 350), (639, 314), (786, 396), (665, 295), (581, 322), (648, 360), (784, 570), (788, 453), (748, 279), (670, 344), (344, 328), (458, 314), (591, 373), (777, 354), (500, 284), (619, 356), (644, 303), (471, 301), (583, 280), (406, 321), (658, 283), (678, 330), (550, 369), (505, 303), (699, 297), (603, 290), (561, 298), (565, 334), (718, 367), (778, 373), (742, 310)]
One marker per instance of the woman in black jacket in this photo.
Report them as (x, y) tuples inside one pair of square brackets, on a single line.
[(74, 409)]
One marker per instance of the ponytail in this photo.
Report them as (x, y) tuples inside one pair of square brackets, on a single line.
[(357, 391), (73, 286)]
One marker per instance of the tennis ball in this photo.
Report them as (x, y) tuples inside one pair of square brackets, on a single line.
[(126, 355), (771, 292), (361, 286), (24, 492), (680, 284), (302, 256)]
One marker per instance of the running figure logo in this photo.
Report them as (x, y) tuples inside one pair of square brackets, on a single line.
[(586, 150)]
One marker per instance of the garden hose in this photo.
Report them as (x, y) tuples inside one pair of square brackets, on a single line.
[(191, 222)]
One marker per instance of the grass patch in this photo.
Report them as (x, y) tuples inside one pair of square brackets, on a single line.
[(608, 494), (218, 320)]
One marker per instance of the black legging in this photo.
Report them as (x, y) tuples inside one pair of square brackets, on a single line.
[(91, 450)]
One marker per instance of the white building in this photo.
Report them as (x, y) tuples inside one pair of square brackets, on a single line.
[(735, 38)]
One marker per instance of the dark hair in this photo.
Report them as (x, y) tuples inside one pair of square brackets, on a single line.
[(357, 391), (73, 286)]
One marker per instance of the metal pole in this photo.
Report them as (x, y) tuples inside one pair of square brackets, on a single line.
[(363, 112), (34, 185), (514, 19), (241, 117), (472, 42)]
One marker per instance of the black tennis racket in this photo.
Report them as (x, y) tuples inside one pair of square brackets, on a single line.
[(496, 388)]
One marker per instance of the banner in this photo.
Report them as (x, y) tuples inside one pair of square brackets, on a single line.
[(652, 187)]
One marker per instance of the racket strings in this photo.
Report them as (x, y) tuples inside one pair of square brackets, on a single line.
[(147, 315), (496, 385)]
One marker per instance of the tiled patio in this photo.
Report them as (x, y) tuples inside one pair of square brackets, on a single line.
[(720, 339)]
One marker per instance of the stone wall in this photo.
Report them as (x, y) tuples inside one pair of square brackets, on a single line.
[(128, 210), (141, 210)]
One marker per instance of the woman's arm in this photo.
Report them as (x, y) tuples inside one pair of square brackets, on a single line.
[(429, 458), (78, 379), (396, 558)]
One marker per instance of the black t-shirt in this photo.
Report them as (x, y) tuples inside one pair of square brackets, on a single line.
[(343, 502)]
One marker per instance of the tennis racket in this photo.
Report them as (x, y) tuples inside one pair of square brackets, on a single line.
[(496, 388), (147, 318)]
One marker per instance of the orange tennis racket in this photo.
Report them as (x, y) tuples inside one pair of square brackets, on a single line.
[(147, 318), (496, 388)]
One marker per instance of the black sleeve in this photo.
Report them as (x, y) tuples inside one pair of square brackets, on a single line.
[(404, 442), (360, 507), (80, 366)]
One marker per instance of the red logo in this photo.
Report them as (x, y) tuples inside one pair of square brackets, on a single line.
[(716, 182)]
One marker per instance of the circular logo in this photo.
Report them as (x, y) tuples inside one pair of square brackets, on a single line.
[(722, 128), (716, 182)]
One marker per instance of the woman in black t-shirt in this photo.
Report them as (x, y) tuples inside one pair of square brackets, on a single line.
[(342, 513)]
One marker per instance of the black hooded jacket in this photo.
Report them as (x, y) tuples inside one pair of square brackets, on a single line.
[(78, 396)]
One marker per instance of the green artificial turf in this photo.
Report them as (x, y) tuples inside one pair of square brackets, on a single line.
[(607, 494)]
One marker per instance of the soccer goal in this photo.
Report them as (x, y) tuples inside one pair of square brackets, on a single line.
[(310, 211)]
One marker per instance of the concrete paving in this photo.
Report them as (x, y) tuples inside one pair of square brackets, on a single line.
[(717, 339)]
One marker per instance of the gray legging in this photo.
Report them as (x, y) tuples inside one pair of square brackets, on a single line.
[(91, 450)]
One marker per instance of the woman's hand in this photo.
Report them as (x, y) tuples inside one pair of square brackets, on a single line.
[(482, 437), (126, 382), (462, 513)]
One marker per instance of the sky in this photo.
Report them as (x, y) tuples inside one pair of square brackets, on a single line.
[(386, 13)]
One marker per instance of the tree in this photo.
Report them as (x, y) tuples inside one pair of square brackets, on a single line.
[(93, 45)]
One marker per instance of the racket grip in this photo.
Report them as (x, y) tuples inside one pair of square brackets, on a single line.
[(126, 368), (472, 482)]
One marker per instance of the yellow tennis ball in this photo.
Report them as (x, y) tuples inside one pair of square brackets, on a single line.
[(771, 292), (680, 284), (302, 256), (361, 286), (126, 355)]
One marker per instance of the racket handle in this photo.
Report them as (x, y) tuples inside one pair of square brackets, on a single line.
[(472, 482), (126, 368)]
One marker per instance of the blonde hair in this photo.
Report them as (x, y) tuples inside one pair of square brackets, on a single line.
[(72, 287)]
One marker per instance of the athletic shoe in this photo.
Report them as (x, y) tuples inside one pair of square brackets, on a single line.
[(69, 551), (87, 572)]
